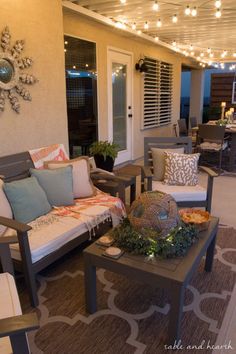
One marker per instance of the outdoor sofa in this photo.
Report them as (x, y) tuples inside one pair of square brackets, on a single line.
[(49, 237)]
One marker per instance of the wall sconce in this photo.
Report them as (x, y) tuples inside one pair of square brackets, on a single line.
[(141, 66)]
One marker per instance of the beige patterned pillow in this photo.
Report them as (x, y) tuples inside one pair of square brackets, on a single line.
[(181, 169), (82, 184), (158, 159)]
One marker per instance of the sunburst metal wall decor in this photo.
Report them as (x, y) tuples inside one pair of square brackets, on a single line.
[(12, 77)]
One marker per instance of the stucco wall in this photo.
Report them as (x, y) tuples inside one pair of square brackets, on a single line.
[(42, 121), (104, 36)]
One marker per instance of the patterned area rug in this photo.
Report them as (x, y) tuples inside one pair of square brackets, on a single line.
[(131, 317)]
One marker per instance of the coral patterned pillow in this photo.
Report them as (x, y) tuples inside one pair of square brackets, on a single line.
[(181, 169)]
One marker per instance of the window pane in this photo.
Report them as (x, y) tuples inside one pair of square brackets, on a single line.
[(119, 104), (81, 94)]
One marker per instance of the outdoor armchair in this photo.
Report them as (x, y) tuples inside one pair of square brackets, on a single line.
[(185, 196)]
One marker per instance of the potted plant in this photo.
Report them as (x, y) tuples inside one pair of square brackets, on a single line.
[(104, 153)]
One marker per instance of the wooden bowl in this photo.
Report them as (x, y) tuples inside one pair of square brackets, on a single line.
[(197, 217)]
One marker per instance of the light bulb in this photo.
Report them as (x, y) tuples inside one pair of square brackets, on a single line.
[(217, 4), (139, 32), (192, 53), (194, 11), (159, 23), (202, 55), (155, 6), (156, 39), (66, 42), (208, 50), (191, 47), (123, 1), (187, 11), (134, 26), (234, 55), (174, 43), (174, 19), (211, 55), (218, 13), (146, 26)]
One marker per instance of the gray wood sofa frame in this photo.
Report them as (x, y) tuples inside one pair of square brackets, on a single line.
[(15, 327), (15, 167), (170, 143)]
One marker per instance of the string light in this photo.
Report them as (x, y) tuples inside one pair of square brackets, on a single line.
[(218, 13), (175, 19), (187, 11), (159, 23), (194, 11), (217, 4), (155, 6), (223, 54)]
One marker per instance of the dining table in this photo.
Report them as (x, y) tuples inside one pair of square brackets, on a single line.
[(229, 130)]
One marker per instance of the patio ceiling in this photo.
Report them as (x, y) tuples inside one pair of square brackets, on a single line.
[(203, 37)]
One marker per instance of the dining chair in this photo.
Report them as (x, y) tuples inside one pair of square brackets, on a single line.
[(211, 139), (183, 131), (193, 122)]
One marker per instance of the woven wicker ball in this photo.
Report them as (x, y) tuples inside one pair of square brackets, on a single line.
[(154, 210)]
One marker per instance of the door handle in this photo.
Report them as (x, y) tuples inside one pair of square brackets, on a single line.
[(130, 115)]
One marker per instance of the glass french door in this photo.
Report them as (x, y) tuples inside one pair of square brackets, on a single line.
[(120, 103)]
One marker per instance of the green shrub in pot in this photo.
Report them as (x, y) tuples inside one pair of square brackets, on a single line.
[(104, 153)]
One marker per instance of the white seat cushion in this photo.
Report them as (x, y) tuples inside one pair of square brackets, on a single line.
[(53, 233), (213, 146), (181, 193), (9, 306), (50, 232)]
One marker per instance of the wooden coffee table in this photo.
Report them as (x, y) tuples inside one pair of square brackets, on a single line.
[(171, 274)]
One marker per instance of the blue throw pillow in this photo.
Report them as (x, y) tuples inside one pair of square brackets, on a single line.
[(27, 199), (57, 184)]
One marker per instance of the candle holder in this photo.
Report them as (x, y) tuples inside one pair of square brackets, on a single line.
[(223, 105)]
